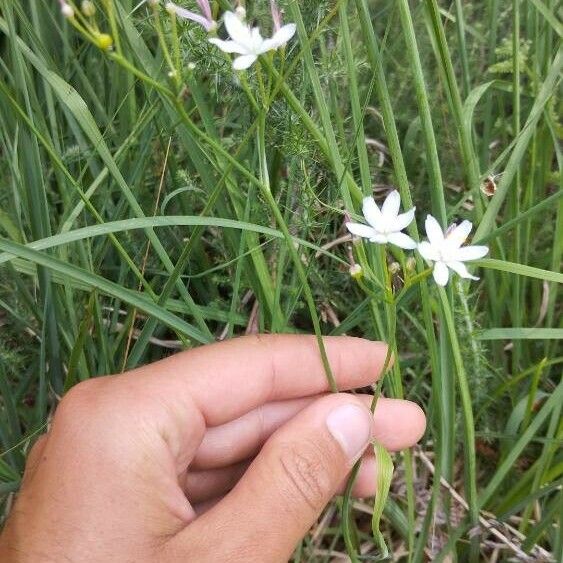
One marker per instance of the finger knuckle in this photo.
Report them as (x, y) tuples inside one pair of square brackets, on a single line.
[(305, 472), (86, 407), (79, 398)]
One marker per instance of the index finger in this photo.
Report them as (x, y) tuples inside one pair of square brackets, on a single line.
[(229, 379)]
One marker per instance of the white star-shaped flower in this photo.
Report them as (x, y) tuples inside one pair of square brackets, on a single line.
[(446, 252), (247, 42), (385, 224)]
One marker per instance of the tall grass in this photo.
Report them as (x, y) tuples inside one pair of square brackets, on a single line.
[(141, 213)]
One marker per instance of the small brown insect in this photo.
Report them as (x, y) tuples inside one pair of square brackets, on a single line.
[(489, 186)]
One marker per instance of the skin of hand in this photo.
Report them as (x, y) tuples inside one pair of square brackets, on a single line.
[(228, 452)]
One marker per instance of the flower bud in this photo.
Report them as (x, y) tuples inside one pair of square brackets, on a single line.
[(394, 267), (67, 10), (104, 41), (170, 8), (153, 2), (240, 11), (410, 264), (356, 271), (88, 8)]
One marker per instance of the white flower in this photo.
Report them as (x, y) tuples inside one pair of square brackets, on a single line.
[(247, 42), (206, 20), (445, 250), (385, 224)]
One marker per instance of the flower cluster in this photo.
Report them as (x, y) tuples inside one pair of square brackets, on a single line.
[(83, 20), (244, 40), (443, 250)]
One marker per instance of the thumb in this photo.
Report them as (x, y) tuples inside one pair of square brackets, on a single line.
[(288, 485)]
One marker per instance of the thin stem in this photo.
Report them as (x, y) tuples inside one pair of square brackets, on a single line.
[(162, 41), (515, 195), (264, 186), (468, 420)]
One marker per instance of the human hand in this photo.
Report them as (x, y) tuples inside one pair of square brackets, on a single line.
[(227, 452)]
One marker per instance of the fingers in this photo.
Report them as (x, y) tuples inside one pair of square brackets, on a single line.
[(398, 425), (243, 437), (205, 488), (287, 486), (231, 378), (201, 486)]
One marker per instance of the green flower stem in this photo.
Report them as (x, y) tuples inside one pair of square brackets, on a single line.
[(468, 420), (391, 324), (176, 49), (83, 28), (244, 83), (343, 174), (108, 4), (119, 59), (264, 186), (348, 525), (515, 192), (162, 41)]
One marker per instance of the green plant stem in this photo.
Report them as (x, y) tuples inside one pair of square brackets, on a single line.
[(270, 200), (468, 421), (515, 196)]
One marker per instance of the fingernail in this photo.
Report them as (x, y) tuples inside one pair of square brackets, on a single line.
[(350, 425)]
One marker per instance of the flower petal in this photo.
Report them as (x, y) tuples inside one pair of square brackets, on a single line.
[(433, 230), (428, 252), (460, 269), (205, 8), (280, 38), (403, 220), (402, 240), (459, 233), (257, 41), (391, 205), (361, 230), (237, 30), (379, 238), (372, 213), (244, 61), (474, 252), (192, 16), (441, 273), (228, 46)]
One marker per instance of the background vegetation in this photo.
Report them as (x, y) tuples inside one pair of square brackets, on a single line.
[(140, 214)]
